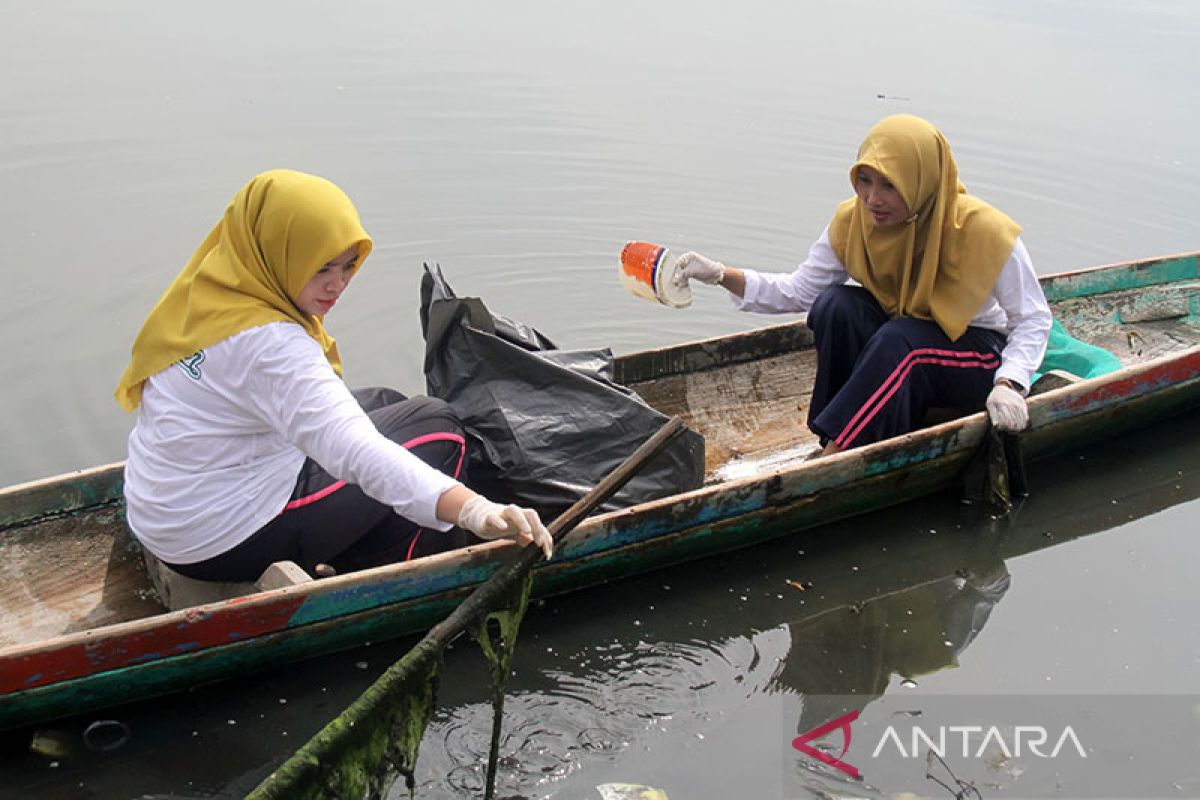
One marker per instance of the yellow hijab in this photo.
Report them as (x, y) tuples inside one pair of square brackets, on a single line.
[(275, 234), (942, 263)]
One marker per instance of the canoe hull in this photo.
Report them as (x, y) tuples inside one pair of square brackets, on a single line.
[(95, 669)]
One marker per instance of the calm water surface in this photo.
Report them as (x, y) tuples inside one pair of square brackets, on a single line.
[(519, 145)]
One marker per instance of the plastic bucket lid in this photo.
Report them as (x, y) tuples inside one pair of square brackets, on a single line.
[(645, 271)]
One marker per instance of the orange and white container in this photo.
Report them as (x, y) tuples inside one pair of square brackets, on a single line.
[(647, 271)]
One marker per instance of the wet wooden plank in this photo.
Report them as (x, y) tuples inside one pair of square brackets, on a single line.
[(706, 354), (70, 573), (746, 410), (60, 494), (1133, 325)]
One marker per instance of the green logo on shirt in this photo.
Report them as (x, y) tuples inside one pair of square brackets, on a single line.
[(191, 364)]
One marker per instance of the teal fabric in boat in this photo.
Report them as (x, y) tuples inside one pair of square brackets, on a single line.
[(1066, 353)]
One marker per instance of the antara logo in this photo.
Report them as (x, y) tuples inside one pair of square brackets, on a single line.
[(1034, 737), (1031, 739), (801, 743)]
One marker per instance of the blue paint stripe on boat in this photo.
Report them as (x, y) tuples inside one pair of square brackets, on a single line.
[(318, 608), (145, 657)]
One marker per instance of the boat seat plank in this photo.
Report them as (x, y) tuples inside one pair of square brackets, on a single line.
[(177, 591)]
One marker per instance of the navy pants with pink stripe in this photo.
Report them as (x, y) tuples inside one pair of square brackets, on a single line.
[(878, 377), (332, 522)]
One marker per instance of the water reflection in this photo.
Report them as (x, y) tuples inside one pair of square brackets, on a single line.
[(695, 665), (860, 627), (859, 650), (843, 659)]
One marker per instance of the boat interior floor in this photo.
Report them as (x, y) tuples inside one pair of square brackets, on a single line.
[(751, 413), (96, 576)]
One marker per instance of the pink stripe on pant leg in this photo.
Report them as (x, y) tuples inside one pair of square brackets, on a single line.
[(462, 454), (442, 437), (321, 494), (899, 372), (300, 502), (975, 361), (413, 544)]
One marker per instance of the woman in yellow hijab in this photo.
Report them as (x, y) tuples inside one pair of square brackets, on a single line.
[(248, 447), (947, 311)]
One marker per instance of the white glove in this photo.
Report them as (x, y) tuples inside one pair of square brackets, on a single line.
[(489, 520), (693, 266), (1007, 408)]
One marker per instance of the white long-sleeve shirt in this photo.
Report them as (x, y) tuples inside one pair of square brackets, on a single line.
[(221, 436), (1015, 306)]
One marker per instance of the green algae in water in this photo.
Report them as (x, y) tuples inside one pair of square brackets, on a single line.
[(360, 753), (507, 620), (417, 700)]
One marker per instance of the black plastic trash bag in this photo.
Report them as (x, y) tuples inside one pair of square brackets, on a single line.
[(995, 475), (546, 425)]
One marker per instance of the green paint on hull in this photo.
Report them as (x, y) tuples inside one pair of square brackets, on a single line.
[(1121, 277)]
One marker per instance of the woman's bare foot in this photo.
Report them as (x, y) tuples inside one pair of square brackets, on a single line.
[(828, 450)]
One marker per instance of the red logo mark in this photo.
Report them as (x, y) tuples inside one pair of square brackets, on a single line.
[(801, 743)]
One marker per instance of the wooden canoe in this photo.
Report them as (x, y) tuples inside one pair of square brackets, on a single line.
[(81, 627)]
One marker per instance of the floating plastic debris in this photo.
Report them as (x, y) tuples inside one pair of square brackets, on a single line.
[(106, 735), (630, 791), (48, 743)]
